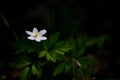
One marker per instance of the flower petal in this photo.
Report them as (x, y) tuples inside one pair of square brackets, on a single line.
[(30, 33), (43, 38), (35, 29), (38, 39), (31, 38), (42, 32)]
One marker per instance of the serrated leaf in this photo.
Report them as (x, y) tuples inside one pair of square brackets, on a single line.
[(59, 69), (42, 53), (25, 73)]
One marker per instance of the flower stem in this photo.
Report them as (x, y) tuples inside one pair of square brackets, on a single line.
[(79, 65), (8, 26)]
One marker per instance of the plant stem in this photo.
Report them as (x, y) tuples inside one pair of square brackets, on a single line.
[(8, 26), (79, 65), (73, 71)]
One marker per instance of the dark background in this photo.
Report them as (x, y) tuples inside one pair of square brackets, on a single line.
[(97, 18)]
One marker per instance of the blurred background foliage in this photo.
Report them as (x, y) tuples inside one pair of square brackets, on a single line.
[(83, 40)]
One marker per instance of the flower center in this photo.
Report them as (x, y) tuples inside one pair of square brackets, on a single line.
[(36, 35)]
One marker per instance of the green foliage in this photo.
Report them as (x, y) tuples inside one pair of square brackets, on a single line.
[(21, 63), (25, 73), (36, 68), (85, 61), (65, 53), (55, 50), (42, 53), (59, 69)]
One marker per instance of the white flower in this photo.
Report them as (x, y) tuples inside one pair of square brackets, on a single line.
[(37, 36)]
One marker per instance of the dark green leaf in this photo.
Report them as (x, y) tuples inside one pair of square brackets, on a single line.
[(59, 69), (81, 51), (59, 52), (42, 53), (50, 58), (92, 41), (36, 68), (25, 73), (84, 61), (45, 44), (53, 39), (20, 64), (68, 65)]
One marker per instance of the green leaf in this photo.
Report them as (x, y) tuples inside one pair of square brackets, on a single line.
[(25, 73), (102, 40), (92, 41), (62, 47), (81, 51), (59, 69), (36, 68), (42, 53), (23, 49), (60, 57), (53, 55), (45, 44), (59, 52), (53, 39), (68, 65), (50, 58), (22, 46), (20, 64), (84, 61)]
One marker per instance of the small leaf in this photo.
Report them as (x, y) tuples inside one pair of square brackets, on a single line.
[(45, 44), (59, 52), (36, 68), (25, 73), (42, 53), (20, 64), (68, 65), (59, 69), (60, 57), (84, 61), (50, 58), (64, 49), (81, 51), (53, 55), (92, 41), (53, 39)]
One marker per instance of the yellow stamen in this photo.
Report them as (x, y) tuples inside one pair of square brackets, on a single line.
[(36, 35)]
